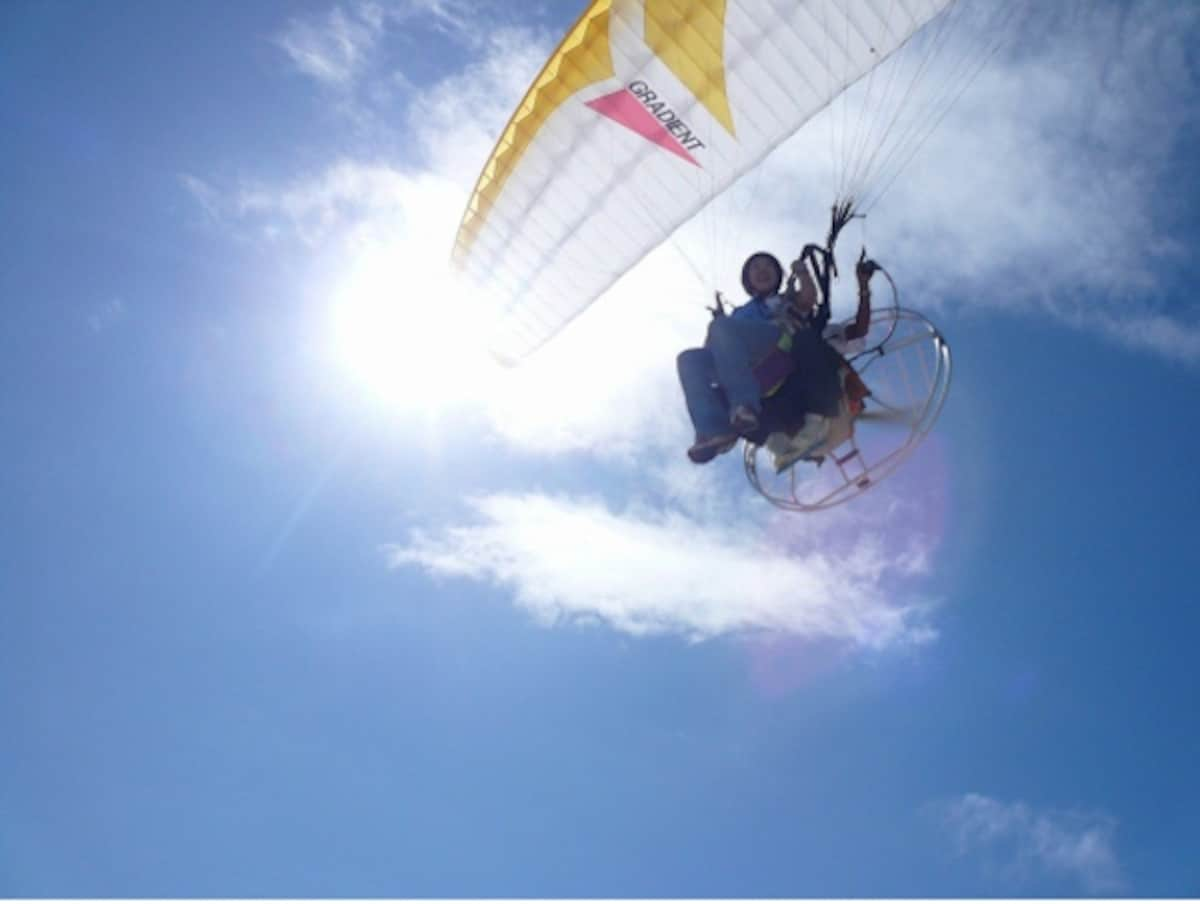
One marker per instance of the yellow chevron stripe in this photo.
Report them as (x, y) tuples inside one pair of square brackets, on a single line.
[(583, 58), (689, 37)]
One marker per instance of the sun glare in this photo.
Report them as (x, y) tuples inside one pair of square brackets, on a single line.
[(402, 333)]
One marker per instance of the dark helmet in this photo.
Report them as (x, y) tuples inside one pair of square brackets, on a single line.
[(774, 261)]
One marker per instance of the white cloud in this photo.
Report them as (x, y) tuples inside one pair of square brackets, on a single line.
[(333, 50), (649, 570), (458, 17), (1165, 336), (347, 44), (458, 119), (1043, 192), (346, 197), (1024, 843)]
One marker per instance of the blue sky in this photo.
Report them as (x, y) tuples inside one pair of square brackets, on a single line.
[(282, 617)]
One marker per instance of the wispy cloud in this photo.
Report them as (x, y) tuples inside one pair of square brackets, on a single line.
[(207, 197), (653, 570), (1022, 843), (458, 17), (106, 314), (1167, 337), (348, 43), (345, 197), (334, 50), (1043, 194), (458, 119)]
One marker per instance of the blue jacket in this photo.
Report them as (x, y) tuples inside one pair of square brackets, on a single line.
[(757, 308)]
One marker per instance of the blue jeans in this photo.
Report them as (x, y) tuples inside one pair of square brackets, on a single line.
[(720, 376)]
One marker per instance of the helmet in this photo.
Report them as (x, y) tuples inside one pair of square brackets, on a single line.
[(754, 259)]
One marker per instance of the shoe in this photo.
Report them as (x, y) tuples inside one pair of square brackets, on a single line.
[(707, 448), (744, 419)]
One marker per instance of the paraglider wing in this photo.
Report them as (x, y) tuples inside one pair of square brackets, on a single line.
[(646, 111)]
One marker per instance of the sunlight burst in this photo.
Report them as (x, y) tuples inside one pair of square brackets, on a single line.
[(402, 333)]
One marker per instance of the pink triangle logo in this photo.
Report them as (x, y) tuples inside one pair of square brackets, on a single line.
[(623, 107)]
